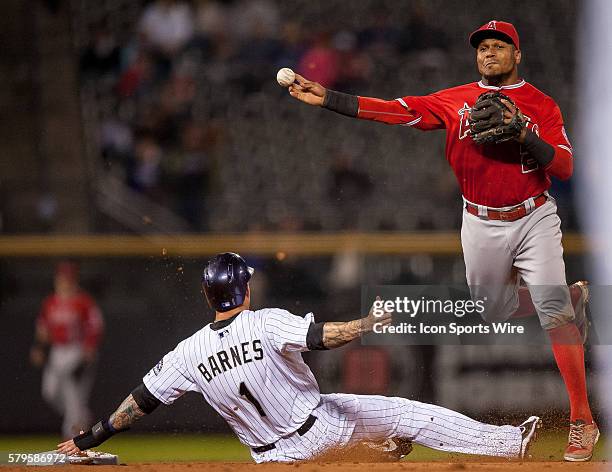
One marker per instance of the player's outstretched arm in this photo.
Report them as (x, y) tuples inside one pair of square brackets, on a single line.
[(314, 93), (365, 108), (137, 404), (336, 334)]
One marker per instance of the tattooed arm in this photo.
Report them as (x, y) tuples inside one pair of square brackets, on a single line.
[(330, 335), (138, 404), (336, 334), (126, 415)]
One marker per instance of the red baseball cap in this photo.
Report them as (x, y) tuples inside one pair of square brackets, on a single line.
[(495, 29)]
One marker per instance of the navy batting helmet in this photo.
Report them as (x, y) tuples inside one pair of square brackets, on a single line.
[(225, 280)]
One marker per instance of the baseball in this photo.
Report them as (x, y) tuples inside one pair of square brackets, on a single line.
[(285, 77)]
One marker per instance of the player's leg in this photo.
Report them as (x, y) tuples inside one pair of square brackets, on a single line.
[(330, 432), (50, 388), (488, 266), (540, 263), (84, 387), (379, 418), (527, 308), (73, 408), (579, 295), (76, 396), (74, 384)]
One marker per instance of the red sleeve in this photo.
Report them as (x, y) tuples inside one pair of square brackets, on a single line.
[(92, 324), (553, 132), (419, 112)]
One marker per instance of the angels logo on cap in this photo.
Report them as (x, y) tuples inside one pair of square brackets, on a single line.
[(495, 29)]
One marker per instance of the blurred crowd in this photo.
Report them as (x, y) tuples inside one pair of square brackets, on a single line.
[(151, 130), (188, 113)]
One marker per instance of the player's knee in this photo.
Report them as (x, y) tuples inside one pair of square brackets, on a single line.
[(554, 307), (50, 394), (556, 315), (552, 321), (500, 311)]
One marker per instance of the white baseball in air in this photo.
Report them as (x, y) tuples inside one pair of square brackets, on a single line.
[(285, 77)]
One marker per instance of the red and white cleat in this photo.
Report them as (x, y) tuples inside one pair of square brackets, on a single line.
[(581, 441)]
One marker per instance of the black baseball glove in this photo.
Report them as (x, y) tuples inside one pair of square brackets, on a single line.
[(495, 118)]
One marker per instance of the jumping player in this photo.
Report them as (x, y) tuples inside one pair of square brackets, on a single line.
[(68, 333), (510, 225), (248, 366)]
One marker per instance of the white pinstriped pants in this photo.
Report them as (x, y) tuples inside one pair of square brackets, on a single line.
[(344, 420)]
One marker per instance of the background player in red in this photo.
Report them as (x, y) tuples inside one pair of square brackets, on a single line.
[(68, 332), (510, 225)]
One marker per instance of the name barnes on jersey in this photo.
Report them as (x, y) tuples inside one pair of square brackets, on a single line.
[(239, 354)]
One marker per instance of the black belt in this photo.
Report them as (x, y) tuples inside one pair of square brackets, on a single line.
[(302, 430)]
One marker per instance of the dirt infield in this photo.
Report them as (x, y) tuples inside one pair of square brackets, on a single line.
[(339, 467)]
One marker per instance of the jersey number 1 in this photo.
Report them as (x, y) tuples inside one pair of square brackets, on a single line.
[(246, 393)]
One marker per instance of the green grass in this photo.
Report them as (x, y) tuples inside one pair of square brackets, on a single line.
[(209, 447), (147, 447)]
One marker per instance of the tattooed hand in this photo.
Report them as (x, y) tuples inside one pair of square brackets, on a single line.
[(127, 413), (369, 321)]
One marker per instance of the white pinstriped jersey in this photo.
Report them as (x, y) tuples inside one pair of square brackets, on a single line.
[(249, 368)]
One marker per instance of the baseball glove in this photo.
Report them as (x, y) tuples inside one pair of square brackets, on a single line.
[(488, 123)]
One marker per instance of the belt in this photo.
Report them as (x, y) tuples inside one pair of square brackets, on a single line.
[(302, 430), (511, 214)]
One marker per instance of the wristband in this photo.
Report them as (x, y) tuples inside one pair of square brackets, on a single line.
[(145, 400), (99, 433), (539, 149), (342, 103), (314, 337)]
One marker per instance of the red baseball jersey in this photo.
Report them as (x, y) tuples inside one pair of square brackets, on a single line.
[(495, 175), (76, 319)]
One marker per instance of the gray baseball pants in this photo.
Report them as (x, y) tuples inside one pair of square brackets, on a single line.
[(497, 253)]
